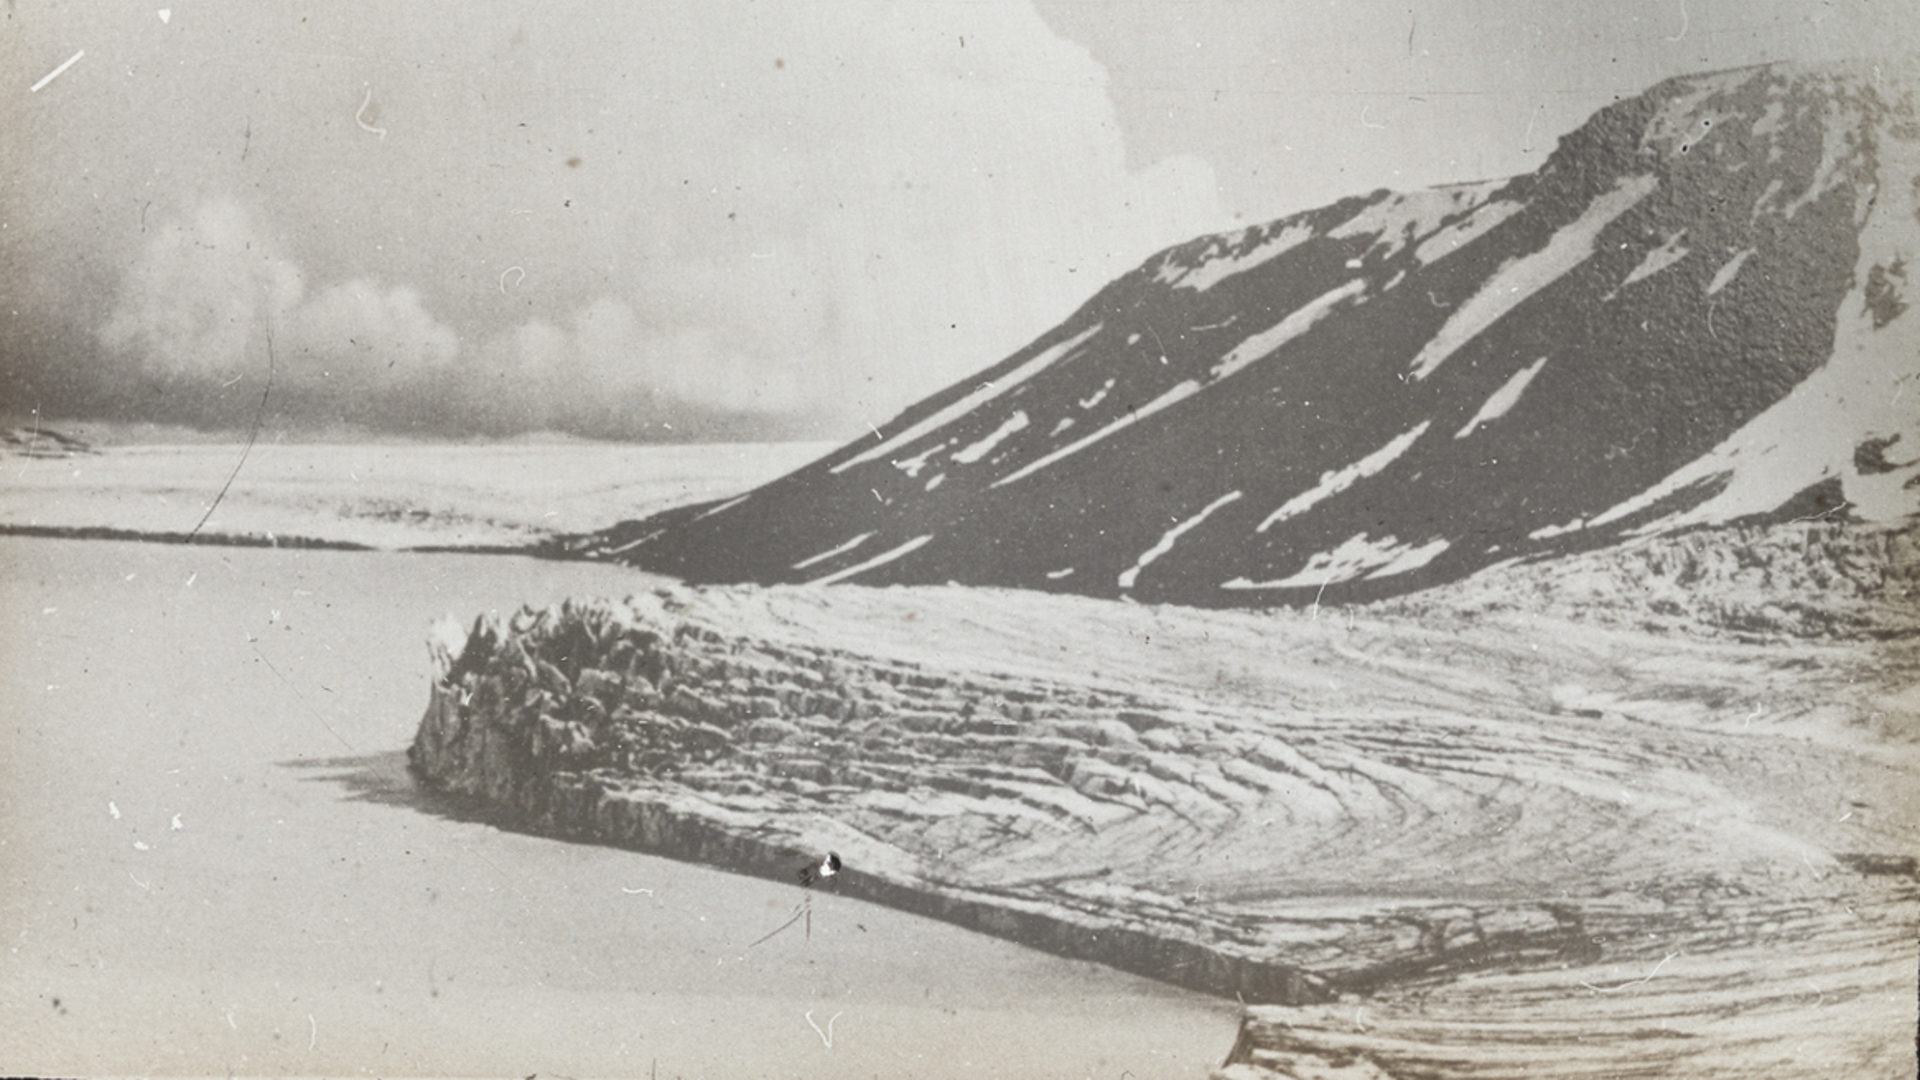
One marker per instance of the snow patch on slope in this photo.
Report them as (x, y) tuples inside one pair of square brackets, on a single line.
[(1725, 275), (722, 508), (1179, 393), (1836, 148), (980, 396), (1515, 282), (1503, 399), (1680, 124), (1358, 557), (832, 551), (1172, 537), (913, 465), (878, 560), (1403, 217), (1461, 233), (1548, 532), (1657, 260), (1334, 482), (1297, 322), (1016, 422), (1213, 271)]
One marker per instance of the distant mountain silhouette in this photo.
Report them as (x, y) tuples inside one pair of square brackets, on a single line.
[(1695, 312)]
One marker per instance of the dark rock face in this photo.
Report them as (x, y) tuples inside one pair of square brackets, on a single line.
[(1694, 312)]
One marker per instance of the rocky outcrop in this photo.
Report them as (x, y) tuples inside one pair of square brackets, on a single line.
[(1697, 311)]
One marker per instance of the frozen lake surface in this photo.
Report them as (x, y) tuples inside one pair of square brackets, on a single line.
[(215, 862)]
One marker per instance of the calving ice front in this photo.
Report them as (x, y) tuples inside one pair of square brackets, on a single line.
[(1695, 312)]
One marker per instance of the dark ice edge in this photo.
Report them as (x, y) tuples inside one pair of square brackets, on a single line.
[(532, 549), (103, 532), (585, 808)]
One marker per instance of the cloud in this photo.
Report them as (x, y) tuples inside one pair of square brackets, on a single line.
[(369, 337), (604, 371), (831, 210), (211, 303), (973, 193), (814, 214), (191, 304)]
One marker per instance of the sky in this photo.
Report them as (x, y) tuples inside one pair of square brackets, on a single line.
[(719, 219)]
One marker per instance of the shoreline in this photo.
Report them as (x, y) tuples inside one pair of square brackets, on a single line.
[(535, 550)]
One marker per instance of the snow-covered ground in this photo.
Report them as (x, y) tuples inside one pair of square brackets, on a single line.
[(213, 862), (383, 495), (217, 861)]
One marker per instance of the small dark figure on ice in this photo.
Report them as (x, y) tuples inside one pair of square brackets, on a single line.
[(825, 868)]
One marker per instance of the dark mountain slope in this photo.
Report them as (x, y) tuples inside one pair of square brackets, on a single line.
[(1695, 312)]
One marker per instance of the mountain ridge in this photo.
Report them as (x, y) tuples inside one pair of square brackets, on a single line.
[(1694, 312)]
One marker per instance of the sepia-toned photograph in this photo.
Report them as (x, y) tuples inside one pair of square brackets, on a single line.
[(1193, 539)]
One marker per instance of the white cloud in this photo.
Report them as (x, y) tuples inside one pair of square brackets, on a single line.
[(605, 357), (191, 303), (199, 302), (910, 193), (378, 336), (890, 211), (784, 208)]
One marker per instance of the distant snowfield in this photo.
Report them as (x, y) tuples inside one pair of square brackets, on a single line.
[(382, 495)]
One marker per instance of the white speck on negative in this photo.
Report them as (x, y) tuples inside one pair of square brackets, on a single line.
[(55, 73), (827, 1035), (364, 126)]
